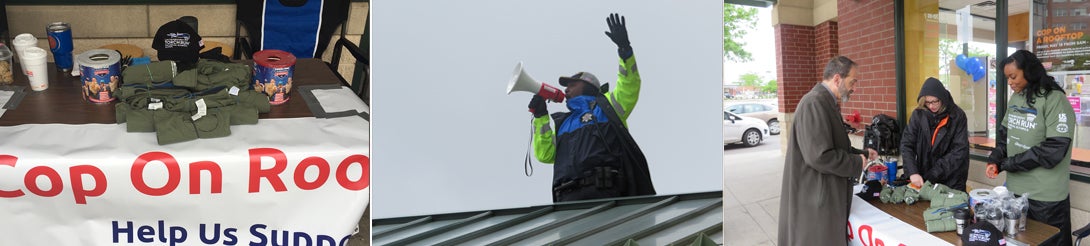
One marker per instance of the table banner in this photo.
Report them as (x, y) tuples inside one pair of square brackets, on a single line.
[(301, 181), (870, 226)]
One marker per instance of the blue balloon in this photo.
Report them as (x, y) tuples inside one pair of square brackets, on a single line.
[(969, 67), (962, 61), (978, 69)]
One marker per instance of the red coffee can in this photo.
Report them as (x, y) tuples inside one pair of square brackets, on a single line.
[(273, 70)]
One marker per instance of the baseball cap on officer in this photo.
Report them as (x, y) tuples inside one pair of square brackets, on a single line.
[(581, 76)]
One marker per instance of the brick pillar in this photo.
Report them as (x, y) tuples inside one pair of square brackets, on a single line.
[(828, 45), (866, 36), (794, 64), (802, 53)]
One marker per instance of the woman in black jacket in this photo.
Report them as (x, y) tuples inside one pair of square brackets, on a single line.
[(935, 145)]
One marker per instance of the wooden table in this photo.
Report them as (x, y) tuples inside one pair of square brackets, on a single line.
[(1035, 233), (63, 102)]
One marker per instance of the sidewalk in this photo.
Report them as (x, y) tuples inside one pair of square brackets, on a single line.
[(751, 196)]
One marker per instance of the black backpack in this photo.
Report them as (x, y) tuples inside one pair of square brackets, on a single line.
[(883, 135)]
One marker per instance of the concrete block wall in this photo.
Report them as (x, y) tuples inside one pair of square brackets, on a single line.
[(97, 25)]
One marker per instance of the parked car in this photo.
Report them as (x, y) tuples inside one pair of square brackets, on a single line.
[(766, 113), (745, 130)]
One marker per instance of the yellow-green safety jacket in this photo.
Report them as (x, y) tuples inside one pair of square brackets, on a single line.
[(592, 138)]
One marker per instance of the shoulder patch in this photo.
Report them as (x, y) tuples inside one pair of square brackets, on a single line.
[(587, 117)]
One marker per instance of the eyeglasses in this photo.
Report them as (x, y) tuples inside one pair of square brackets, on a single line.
[(929, 103)]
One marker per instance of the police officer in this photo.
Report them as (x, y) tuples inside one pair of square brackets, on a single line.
[(594, 155)]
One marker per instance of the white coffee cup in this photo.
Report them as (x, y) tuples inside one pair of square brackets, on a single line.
[(36, 69), (1001, 191), (21, 42)]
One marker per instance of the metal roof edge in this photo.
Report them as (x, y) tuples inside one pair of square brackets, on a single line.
[(535, 231), (616, 221), (556, 207), (497, 227), (440, 230), (671, 222), (406, 224), (707, 231)]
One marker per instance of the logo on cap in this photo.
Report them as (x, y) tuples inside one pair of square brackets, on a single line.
[(980, 235), (176, 39), (178, 35)]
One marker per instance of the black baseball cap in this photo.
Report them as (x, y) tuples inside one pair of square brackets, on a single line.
[(982, 234), (871, 190), (177, 41)]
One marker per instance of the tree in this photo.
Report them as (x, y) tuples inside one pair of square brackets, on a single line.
[(751, 80), (769, 87), (737, 21)]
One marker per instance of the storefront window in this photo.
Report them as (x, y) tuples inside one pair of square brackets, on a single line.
[(936, 36), (1064, 48)]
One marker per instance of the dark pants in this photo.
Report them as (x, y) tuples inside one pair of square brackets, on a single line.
[(587, 193), (1056, 214)]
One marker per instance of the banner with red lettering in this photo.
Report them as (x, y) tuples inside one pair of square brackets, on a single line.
[(869, 226), (302, 181)]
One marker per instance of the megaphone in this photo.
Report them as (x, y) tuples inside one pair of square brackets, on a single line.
[(521, 81)]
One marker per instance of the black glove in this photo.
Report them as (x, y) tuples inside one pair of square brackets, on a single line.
[(537, 106), (619, 34)]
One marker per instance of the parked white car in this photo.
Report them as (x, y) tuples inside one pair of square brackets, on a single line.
[(765, 112), (745, 130)]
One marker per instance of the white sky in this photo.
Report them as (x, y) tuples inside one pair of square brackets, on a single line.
[(761, 44)]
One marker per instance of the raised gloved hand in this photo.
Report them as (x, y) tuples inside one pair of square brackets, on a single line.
[(619, 34), (537, 106)]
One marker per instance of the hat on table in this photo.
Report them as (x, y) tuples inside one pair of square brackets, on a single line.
[(982, 234), (177, 41)]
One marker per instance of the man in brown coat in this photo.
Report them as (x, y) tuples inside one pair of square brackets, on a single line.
[(816, 193)]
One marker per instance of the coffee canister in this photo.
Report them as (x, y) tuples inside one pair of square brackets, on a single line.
[(273, 70), (100, 71)]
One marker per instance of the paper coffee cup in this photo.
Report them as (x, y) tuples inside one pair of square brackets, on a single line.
[(1000, 191), (21, 43), (36, 69)]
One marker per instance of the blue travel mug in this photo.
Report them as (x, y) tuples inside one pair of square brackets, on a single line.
[(892, 169), (60, 42)]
